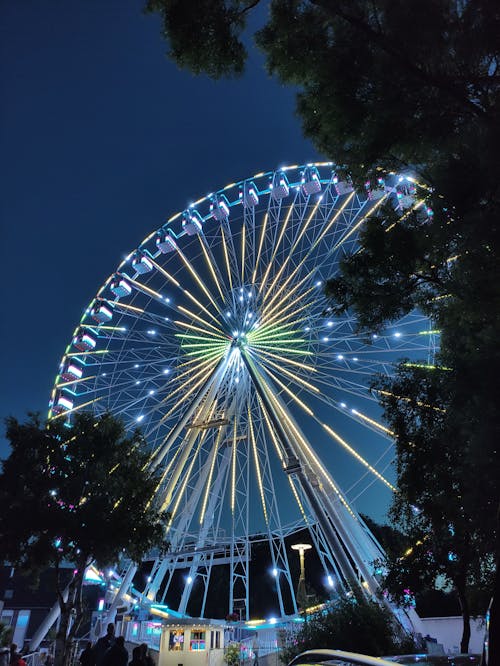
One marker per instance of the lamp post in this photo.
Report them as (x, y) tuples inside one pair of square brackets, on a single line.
[(301, 587)]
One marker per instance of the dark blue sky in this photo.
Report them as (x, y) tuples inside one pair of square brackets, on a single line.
[(102, 139)]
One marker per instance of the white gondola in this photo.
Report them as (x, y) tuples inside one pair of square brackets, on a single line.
[(63, 404), (84, 342), (279, 186), (192, 222), (405, 194), (141, 264), (71, 372), (165, 242), (249, 194), (377, 192), (310, 181), (120, 287), (101, 313), (219, 208), (342, 186)]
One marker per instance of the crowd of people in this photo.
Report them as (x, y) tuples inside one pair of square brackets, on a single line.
[(11, 656), (110, 650)]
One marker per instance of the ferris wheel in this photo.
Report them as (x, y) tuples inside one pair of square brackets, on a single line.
[(213, 337)]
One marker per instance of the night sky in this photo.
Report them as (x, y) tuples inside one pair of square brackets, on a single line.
[(103, 139)]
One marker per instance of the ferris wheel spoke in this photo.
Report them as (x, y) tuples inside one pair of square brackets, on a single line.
[(72, 410), (302, 262), (276, 244), (212, 265), (261, 242), (201, 285), (290, 375), (355, 228), (307, 451), (328, 429), (199, 319), (268, 311), (403, 217), (302, 229), (144, 289), (282, 318), (226, 258), (264, 353)]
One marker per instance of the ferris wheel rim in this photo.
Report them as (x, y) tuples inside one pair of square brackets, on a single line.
[(206, 302)]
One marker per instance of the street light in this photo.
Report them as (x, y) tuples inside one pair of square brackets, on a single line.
[(301, 587)]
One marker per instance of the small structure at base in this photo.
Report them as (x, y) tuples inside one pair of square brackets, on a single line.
[(192, 642)]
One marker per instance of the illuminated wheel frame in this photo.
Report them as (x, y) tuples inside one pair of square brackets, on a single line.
[(212, 336)]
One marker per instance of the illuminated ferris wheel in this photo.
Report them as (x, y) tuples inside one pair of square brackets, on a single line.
[(254, 403)]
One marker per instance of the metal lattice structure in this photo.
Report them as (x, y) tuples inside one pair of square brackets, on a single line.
[(213, 337)]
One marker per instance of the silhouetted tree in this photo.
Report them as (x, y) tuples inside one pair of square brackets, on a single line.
[(75, 495)]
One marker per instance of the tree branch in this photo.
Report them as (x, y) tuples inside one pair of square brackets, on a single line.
[(249, 7), (386, 46)]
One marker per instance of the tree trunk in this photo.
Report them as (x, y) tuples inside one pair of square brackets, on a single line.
[(59, 655), (464, 606), (77, 601), (62, 654), (494, 629)]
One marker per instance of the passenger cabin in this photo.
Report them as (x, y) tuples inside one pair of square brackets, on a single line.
[(342, 186), (101, 313), (219, 207), (62, 404), (165, 242), (141, 264), (279, 186), (120, 287), (192, 222), (71, 372), (84, 342), (248, 194), (310, 181)]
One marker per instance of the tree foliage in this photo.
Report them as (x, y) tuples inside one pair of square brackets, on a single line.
[(204, 37), (437, 504), (75, 495), (356, 625)]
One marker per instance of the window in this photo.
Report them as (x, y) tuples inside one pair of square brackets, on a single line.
[(217, 639), (197, 640), (8, 594), (176, 640)]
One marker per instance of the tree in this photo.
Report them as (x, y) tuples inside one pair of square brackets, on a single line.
[(416, 86), (75, 495), (357, 625), (436, 504), (232, 654), (443, 414)]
